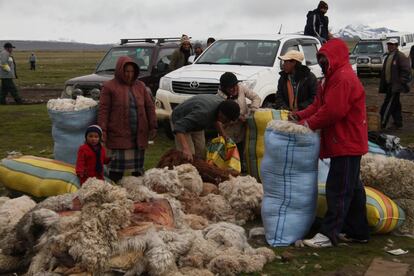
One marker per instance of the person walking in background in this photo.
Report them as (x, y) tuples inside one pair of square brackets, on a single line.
[(127, 118), (91, 155), (210, 41), (395, 78), (7, 74), (296, 88), (198, 49), (339, 112), (317, 23), (236, 130), (190, 118), (32, 61), (179, 57)]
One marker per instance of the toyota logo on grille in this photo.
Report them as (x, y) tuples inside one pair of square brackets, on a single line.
[(194, 84)]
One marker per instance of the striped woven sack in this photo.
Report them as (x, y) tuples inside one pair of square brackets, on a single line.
[(39, 177), (383, 214), (256, 126), (224, 154)]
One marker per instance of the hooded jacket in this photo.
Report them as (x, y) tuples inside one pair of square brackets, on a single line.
[(400, 74), (317, 25), (86, 163), (113, 114), (339, 107)]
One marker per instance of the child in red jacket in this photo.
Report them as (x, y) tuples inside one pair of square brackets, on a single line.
[(91, 155)]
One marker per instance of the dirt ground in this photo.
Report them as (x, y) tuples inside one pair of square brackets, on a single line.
[(374, 100)]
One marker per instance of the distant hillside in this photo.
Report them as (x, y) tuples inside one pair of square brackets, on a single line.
[(33, 45)]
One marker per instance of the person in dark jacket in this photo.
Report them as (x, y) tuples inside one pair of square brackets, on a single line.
[(7, 74), (91, 155), (127, 117), (339, 112), (190, 118), (296, 88), (395, 78), (317, 23), (179, 57)]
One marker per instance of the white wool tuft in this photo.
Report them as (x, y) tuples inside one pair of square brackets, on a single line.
[(3, 199), (227, 235), (244, 195), (216, 208), (136, 190), (190, 178), (80, 103), (163, 181), (288, 127)]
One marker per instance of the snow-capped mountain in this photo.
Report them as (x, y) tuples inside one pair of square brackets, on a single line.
[(362, 31)]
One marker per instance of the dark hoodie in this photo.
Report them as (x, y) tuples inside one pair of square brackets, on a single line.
[(317, 24), (114, 116), (339, 108)]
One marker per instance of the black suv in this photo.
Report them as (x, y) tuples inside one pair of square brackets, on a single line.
[(151, 54)]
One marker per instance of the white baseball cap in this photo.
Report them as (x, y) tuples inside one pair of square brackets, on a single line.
[(392, 41)]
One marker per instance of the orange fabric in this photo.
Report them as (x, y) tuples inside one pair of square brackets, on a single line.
[(291, 94)]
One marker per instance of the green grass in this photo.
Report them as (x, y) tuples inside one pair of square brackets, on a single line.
[(53, 68)]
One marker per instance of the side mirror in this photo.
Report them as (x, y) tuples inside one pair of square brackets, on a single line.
[(404, 44), (191, 59)]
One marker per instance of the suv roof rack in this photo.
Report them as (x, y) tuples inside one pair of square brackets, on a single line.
[(157, 40)]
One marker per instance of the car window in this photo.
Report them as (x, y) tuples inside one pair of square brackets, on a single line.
[(241, 52), (164, 59), (141, 55), (371, 47), (288, 46), (310, 50)]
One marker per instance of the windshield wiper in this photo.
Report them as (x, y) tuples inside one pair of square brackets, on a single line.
[(206, 62), (106, 70)]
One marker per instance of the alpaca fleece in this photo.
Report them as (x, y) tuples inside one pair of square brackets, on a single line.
[(80, 103), (244, 195), (136, 190), (288, 127), (190, 178), (163, 181), (58, 203)]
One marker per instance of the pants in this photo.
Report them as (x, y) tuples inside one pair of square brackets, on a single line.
[(346, 200), (33, 65), (197, 142), (391, 107), (7, 85)]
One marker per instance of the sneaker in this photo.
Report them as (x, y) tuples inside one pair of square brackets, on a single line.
[(318, 241), (345, 238)]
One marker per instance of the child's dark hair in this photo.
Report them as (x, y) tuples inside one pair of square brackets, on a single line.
[(230, 109)]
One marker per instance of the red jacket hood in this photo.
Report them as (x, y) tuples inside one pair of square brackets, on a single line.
[(337, 53), (119, 69)]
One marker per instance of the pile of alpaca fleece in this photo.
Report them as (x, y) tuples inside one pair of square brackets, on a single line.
[(80, 103), (394, 177)]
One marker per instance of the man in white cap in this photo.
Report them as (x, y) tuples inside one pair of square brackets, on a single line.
[(395, 78), (7, 74), (297, 84)]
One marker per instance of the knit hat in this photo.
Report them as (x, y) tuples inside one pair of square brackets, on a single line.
[(322, 5), (197, 45), (293, 55), (184, 38), (94, 128), (228, 79)]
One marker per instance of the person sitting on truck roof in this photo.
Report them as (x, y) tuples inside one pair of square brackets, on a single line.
[(317, 23), (180, 56), (296, 88)]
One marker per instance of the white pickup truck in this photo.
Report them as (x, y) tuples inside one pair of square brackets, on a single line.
[(252, 59)]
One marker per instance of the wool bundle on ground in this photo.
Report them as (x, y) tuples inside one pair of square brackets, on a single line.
[(244, 195), (289, 173), (208, 173), (163, 181), (190, 178)]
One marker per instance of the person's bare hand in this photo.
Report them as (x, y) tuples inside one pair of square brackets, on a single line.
[(188, 155), (293, 117)]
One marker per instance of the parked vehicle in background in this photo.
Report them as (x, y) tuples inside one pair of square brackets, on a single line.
[(368, 55), (151, 54), (252, 59), (405, 41)]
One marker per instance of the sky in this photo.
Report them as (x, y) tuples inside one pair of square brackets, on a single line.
[(106, 21)]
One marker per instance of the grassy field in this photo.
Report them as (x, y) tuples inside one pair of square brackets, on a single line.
[(53, 68)]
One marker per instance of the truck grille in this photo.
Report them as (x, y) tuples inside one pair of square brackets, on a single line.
[(186, 87), (363, 61), (86, 88)]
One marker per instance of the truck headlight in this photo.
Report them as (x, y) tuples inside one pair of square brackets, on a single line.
[(352, 60), (250, 83), (376, 60), (77, 92), (69, 90), (165, 84), (95, 92)]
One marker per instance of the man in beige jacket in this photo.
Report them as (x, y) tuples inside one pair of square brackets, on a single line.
[(231, 89)]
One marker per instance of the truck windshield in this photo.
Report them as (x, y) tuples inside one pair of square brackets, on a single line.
[(241, 52), (141, 55), (369, 48)]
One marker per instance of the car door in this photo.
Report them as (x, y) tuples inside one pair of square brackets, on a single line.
[(309, 48)]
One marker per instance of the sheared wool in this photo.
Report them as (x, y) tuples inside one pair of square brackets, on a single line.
[(209, 188), (136, 191), (163, 181), (190, 178), (9, 263), (80, 103), (244, 195), (58, 203), (288, 127), (392, 176), (227, 235), (3, 199), (160, 259), (195, 222), (11, 212), (215, 208), (190, 271), (200, 254)]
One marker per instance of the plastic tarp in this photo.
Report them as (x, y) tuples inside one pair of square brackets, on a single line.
[(289, 173)]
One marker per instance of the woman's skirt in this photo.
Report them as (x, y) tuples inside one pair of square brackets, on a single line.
[(126, 160)]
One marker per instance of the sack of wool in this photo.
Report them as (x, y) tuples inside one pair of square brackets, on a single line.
[(68, 131), (80, 103), (392, 176), (244, 195), (256, 126), (289, 175), (38, 177)]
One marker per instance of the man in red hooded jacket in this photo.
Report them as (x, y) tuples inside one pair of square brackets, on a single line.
[(339, 112)]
